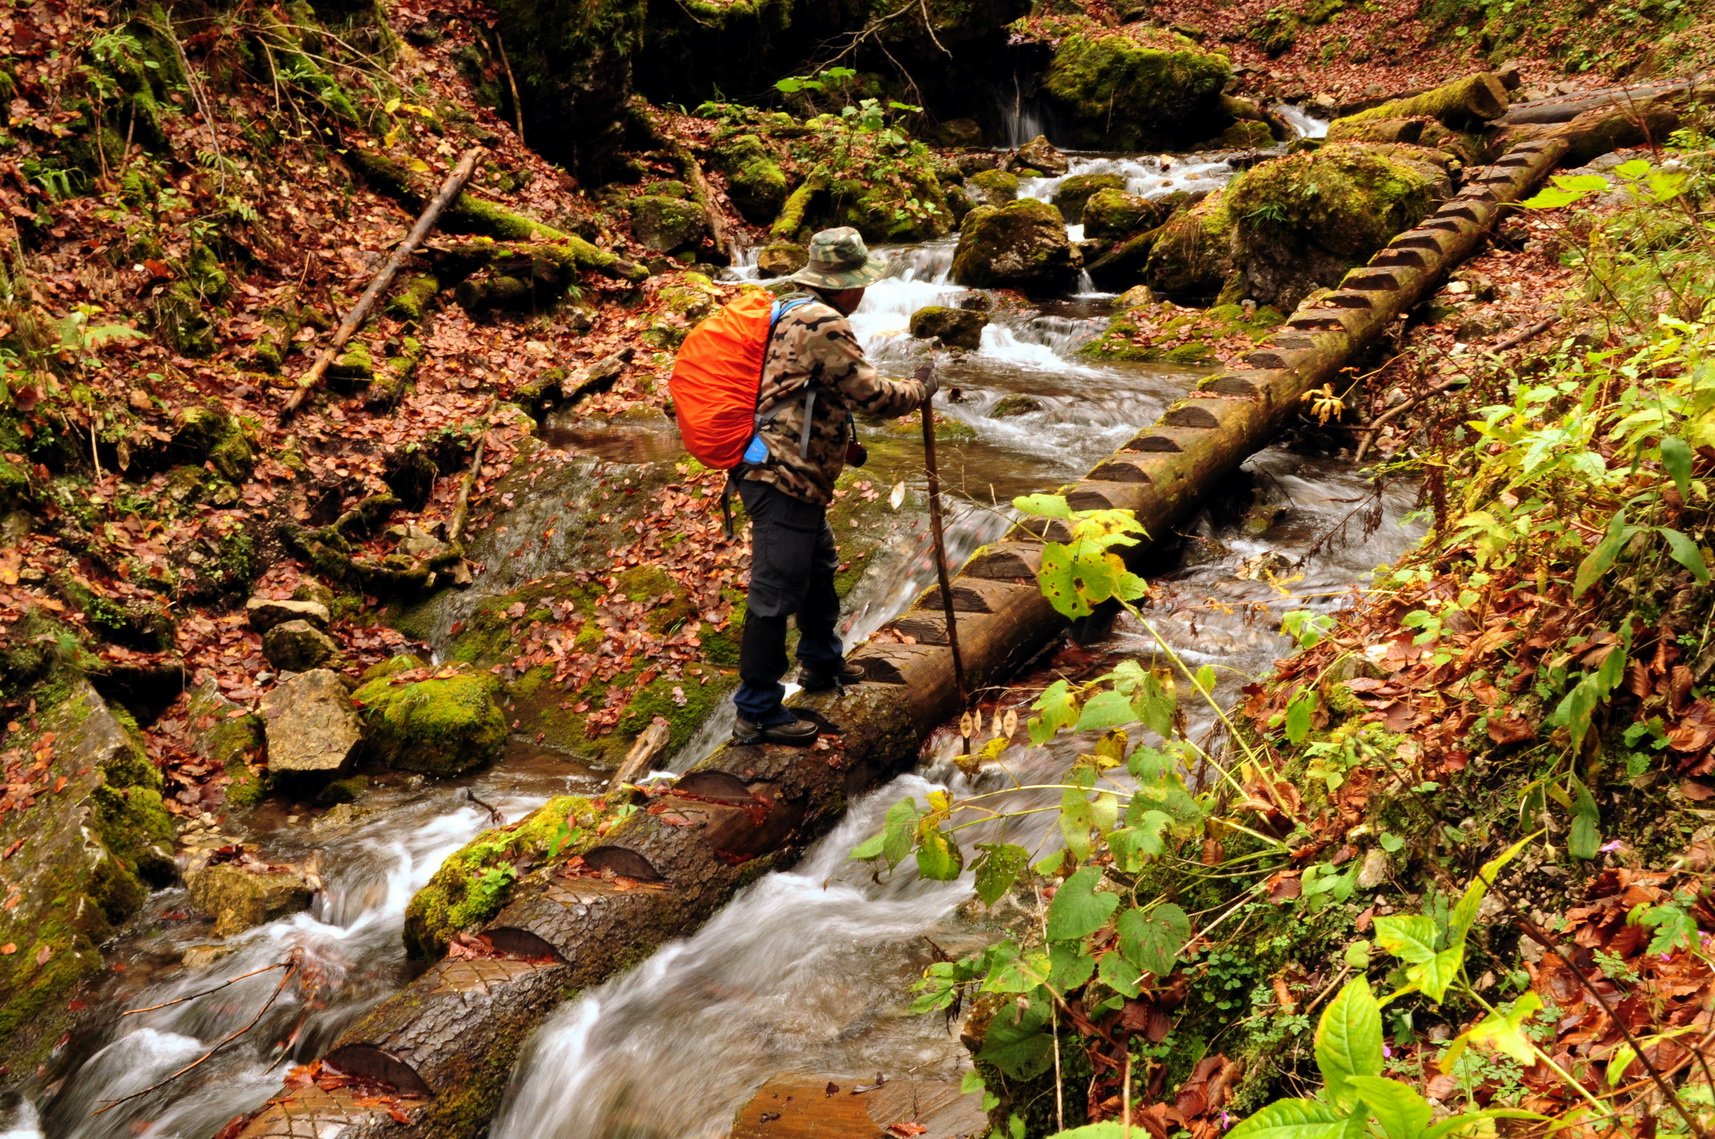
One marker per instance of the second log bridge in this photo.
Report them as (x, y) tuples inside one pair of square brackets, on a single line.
[(453, 1036)]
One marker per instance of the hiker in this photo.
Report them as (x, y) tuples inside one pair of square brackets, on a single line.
[(814, 376)]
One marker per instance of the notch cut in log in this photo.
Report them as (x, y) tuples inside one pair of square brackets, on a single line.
[(450, 189)]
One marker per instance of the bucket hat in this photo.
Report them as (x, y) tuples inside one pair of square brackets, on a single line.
[(840, 260)]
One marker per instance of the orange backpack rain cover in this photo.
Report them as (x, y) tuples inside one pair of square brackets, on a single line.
[(716, 377)]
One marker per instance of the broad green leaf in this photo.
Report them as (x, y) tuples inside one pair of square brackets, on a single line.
[(1583, 840), (1455, 1124), (1552, 198), (1409, 937), (1056, 708), (898, 831), (1676, 461), (1010, 971), (1135, 845), (1349, 1038), (1105, 710), (1151, 939), (1001, 864), (1619, 1062), (1292, 1119), (1684, 551), (1045, 506), (1108, 1130), (1154, 703), (1075, 822), (870, 847), (1078, 909), (1119, 974), (1298, 712), (1020, 1044), (1060, 582), (1582, 183), (1401, 1112), (1068, 966), (939, 857), (1634, 169), (1505, 1031)]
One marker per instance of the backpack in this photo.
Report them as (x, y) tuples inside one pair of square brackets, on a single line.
[(717, 379)]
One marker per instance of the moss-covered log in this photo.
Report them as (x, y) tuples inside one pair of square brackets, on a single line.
[(1471, 101), (745, 811)]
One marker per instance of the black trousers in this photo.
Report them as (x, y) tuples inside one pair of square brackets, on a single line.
[(792, 566)]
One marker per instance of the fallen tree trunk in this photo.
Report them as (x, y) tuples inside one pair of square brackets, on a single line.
[(455, 1033), (1565, 108), (1468, 102), (354, 319)]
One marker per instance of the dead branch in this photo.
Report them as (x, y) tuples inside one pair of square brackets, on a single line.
[(360, 311), (205, 992), (512, 86), (461, 509)]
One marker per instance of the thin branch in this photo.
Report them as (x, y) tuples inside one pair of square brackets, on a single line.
[(206, 992)]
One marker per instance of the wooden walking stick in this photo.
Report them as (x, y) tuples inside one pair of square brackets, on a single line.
[(941, 543)]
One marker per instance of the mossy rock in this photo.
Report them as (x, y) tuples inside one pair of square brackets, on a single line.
[(781, 258), (993, 187), (475, 882), (1180, 336), (667, 224), (954, 327), (755, 182), (1300, 222), (1135, 89), (441, 726), (1246, 134), (1113, 214), (1191, 255), (1014, 405), (1077, 189), (1021, 245), (212, 433)]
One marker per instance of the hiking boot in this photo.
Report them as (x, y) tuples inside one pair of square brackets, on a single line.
[(793, 733), (817, 678)]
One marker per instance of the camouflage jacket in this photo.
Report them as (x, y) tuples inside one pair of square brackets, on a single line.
[(814, 349)]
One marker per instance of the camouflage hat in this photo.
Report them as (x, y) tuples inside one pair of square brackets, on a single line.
[(839, 260)]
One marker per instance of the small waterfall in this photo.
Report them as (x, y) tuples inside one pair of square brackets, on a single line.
[(1023, 118), (1148, 175), (1303, 123)]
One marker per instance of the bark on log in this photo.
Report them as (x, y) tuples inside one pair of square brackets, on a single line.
[(699, 847), (1467, 102), (354, 319), (1565, 108)]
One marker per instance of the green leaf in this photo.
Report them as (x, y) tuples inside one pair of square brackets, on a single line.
[(898, 831), (1464, 914), (1676, 461), (1401, 1112), (1552, 198), (1068, 966), (1583, 840), (1044, 506), (1409, 937), (1134, 845), (870, 847), (1684, 551), (939, 857), (999, 868), (1152, 939), (1104, 710), (1349, 1037), (1598, 561), (1292, 1119), (1505, 1031), (1154, 703), (1119, 974), (1078, 909), (1454, 1124), (1582, 183), (1634, 169), (1298, 712), (1020, 1045), (1061, 581), (1056, 708), (1108, 1130)]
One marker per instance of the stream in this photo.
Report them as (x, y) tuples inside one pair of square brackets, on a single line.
[(807, 969)]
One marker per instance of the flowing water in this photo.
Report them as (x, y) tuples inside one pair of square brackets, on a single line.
[(807, 968)]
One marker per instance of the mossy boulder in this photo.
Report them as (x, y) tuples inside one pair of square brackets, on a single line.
[(1164, 333), (444, 725), (1038, 157), (993, 187), (755, 182), (1191, 256), (243, 895), (212, 433), (298, 646), (781, 258), (1136, 88), (82, 858), (474, 883), (1069, 199), (953, 327), (1300, 222), (1021, 245), (1112, 214), (667, 224)]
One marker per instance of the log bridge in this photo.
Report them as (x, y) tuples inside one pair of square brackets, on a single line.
[(452, 1037)]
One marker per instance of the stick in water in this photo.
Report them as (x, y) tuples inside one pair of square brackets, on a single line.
[(941, 543)]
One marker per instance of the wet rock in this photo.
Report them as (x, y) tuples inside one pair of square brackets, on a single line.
[(1038, 156), (202, 956), (266, 612), (311, 726), (1077, 189), (1110, 214), (666, 224), (1375, 870), (240, 895), (298, 646), (86, 839), (781, 258), (993, 187), (444, 725), (954, 327), (1015, 404), (1022, 245), (1136, 89)]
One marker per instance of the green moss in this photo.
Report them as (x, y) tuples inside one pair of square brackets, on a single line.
[(790, 225), (411, 302), (1077, 190), (475, 882), (683, 702), (1133, 90), (354, 366), (1349, 199), (994, 187), (438, 726), (1020, 245)]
